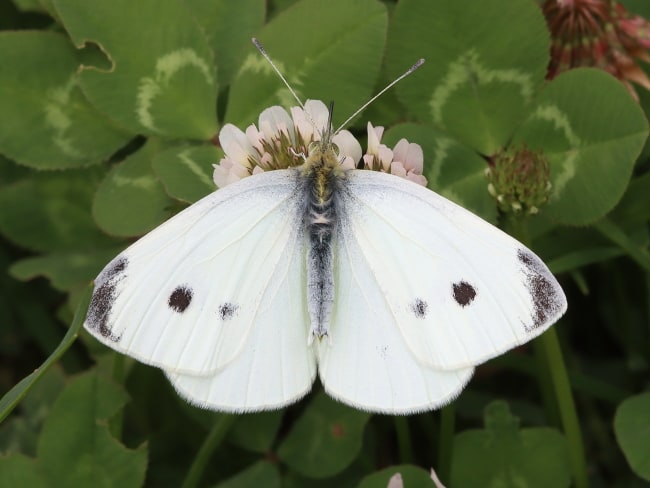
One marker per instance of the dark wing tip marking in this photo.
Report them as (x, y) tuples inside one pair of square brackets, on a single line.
[(547, 296), (419, 308), (180, 298), (227, 311), (463, 293), (104, 296), (117, 267)]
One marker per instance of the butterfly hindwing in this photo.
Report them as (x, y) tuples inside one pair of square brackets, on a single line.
[(460, 290), (185, 296), (365, 361), (275, 366)]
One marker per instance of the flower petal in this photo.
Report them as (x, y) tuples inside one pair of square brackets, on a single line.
[(266, 161), (275, 120), (228, 171), (302, 124), (416, 178), (374, 136), (369, 160), (385, 155), (317, 113), (236, 145), (410, 154), (397, 169), (348, 145), (255, 137)]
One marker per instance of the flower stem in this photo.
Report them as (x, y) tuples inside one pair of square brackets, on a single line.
[(211, 442), (116, 423), (403, 440), (546, 385), (549, 347), (549, 354), (446, 442)]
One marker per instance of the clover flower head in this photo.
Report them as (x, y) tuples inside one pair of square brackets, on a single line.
[(598, 33), (405, 159), (282, 141), (519, 180)]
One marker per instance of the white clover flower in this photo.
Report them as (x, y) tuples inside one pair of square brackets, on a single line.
[(281, 141), (405, 159), (408, 161), (379, 156)]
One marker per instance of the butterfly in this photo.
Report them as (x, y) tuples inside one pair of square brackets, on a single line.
[(385, 290)]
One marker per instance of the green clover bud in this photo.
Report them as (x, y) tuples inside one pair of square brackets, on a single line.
[(519, 180)]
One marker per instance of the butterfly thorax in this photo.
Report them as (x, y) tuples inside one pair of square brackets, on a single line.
[(322, 167)]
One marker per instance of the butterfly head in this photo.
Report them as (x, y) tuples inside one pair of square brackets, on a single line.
[(323, 155)]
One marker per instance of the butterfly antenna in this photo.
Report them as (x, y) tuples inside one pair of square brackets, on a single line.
[(262, 51), (326, 136), (419, 63)]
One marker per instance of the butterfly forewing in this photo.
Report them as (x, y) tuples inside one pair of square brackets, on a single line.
[(460, 290), (185, 296)]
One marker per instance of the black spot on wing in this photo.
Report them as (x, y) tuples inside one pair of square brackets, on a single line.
[(180, 298), (463, 293), (546, 295), (419, 308), (227, 311), (104, 296)]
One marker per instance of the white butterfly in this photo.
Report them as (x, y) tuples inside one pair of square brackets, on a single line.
[(386, 290)]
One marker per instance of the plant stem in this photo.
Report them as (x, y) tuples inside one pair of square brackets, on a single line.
[(546, 385), (117, 422), (403, 440), (211, 442), (549, 354), (446, 443), (549, 347)]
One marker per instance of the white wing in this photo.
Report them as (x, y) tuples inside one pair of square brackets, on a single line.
[(275, 367), (365, 361), (185, 296), (459, 290)]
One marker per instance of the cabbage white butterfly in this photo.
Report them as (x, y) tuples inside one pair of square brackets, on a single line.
[(386, 290)]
